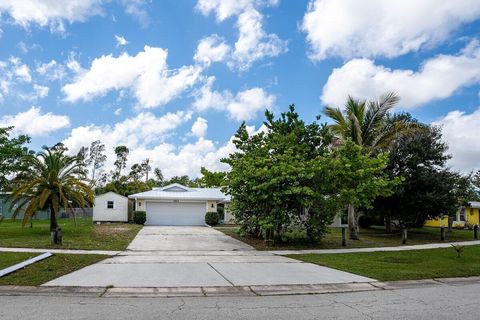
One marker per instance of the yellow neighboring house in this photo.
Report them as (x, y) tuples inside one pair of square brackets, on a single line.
[(466, 217)]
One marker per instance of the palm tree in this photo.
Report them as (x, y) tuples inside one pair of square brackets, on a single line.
[(370, 125), (50, 180)]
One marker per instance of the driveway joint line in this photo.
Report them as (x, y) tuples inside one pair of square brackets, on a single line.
[(221, 274), (253, 291)]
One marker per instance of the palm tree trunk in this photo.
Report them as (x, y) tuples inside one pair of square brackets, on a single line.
[(352, 223), (53, 225)]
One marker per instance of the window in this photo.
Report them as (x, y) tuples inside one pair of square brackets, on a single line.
[(462, 214), (139, 203), (109, 204), (212, 206)]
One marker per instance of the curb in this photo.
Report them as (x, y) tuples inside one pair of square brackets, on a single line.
[(232, 291)]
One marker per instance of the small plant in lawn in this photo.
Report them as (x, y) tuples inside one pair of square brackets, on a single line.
[(459, 249), (211, 218), (139, 217)]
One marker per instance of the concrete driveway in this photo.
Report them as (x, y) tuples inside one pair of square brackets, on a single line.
[(163, 238), (198, 257)]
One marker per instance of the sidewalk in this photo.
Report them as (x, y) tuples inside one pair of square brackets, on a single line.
[(61, 251), (358, 250), (276, 252)]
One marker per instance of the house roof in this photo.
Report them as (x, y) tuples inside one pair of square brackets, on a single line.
[(474, 204), (177, 191), (110, 192)]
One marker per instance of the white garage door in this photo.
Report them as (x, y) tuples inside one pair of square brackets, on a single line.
[(176, 213)]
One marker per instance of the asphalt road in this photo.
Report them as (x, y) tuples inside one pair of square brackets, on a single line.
[(439, 302)]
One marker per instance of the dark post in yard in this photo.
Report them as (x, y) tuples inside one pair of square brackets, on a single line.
[(59, 236), (475, 232), (404, 235), (344, 235), (442, 233)]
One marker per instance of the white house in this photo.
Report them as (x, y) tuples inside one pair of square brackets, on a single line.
[(177, 205), (111, 207)]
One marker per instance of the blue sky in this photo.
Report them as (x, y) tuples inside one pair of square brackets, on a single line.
[(173, 80)]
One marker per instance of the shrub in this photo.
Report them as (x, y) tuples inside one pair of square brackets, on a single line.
[(139, 217), (366, 221), (211, 218), (295, 237)]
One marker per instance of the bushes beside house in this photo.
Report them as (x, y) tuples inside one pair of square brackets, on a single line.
[(211, 218), (139, 217)]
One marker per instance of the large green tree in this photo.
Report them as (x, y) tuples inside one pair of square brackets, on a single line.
[(370, 125), (50, 180), (429, 188), (11, 151), (358, 179), (275, 177), (211, 179)]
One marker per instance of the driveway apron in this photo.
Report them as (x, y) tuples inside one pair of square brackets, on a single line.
[(163, 256)]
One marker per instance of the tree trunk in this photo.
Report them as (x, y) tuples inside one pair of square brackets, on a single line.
[(388, 223), (450, 223), (93, 174), (53, 225), (404, 235), (352, 223)]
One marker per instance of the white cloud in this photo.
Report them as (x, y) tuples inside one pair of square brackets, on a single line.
[(370, 28), (438, 78), (138, 10), (145, 135), (16, 80), (243, 106), (253, 42), (51, 70), (32, 122), (199, 127), (141, 130), (41, 91), (118, 111), (50, 13), (461, 131), (146, 75), (37, 92), (23, 73), (23, 47), (121, 41), (188, 158), (211, 49)]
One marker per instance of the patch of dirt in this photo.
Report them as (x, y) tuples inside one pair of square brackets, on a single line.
[(106, 230)]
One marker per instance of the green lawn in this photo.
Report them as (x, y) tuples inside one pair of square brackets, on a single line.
[(373, 237), (84, 235), (403, 265), (45, 270)]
